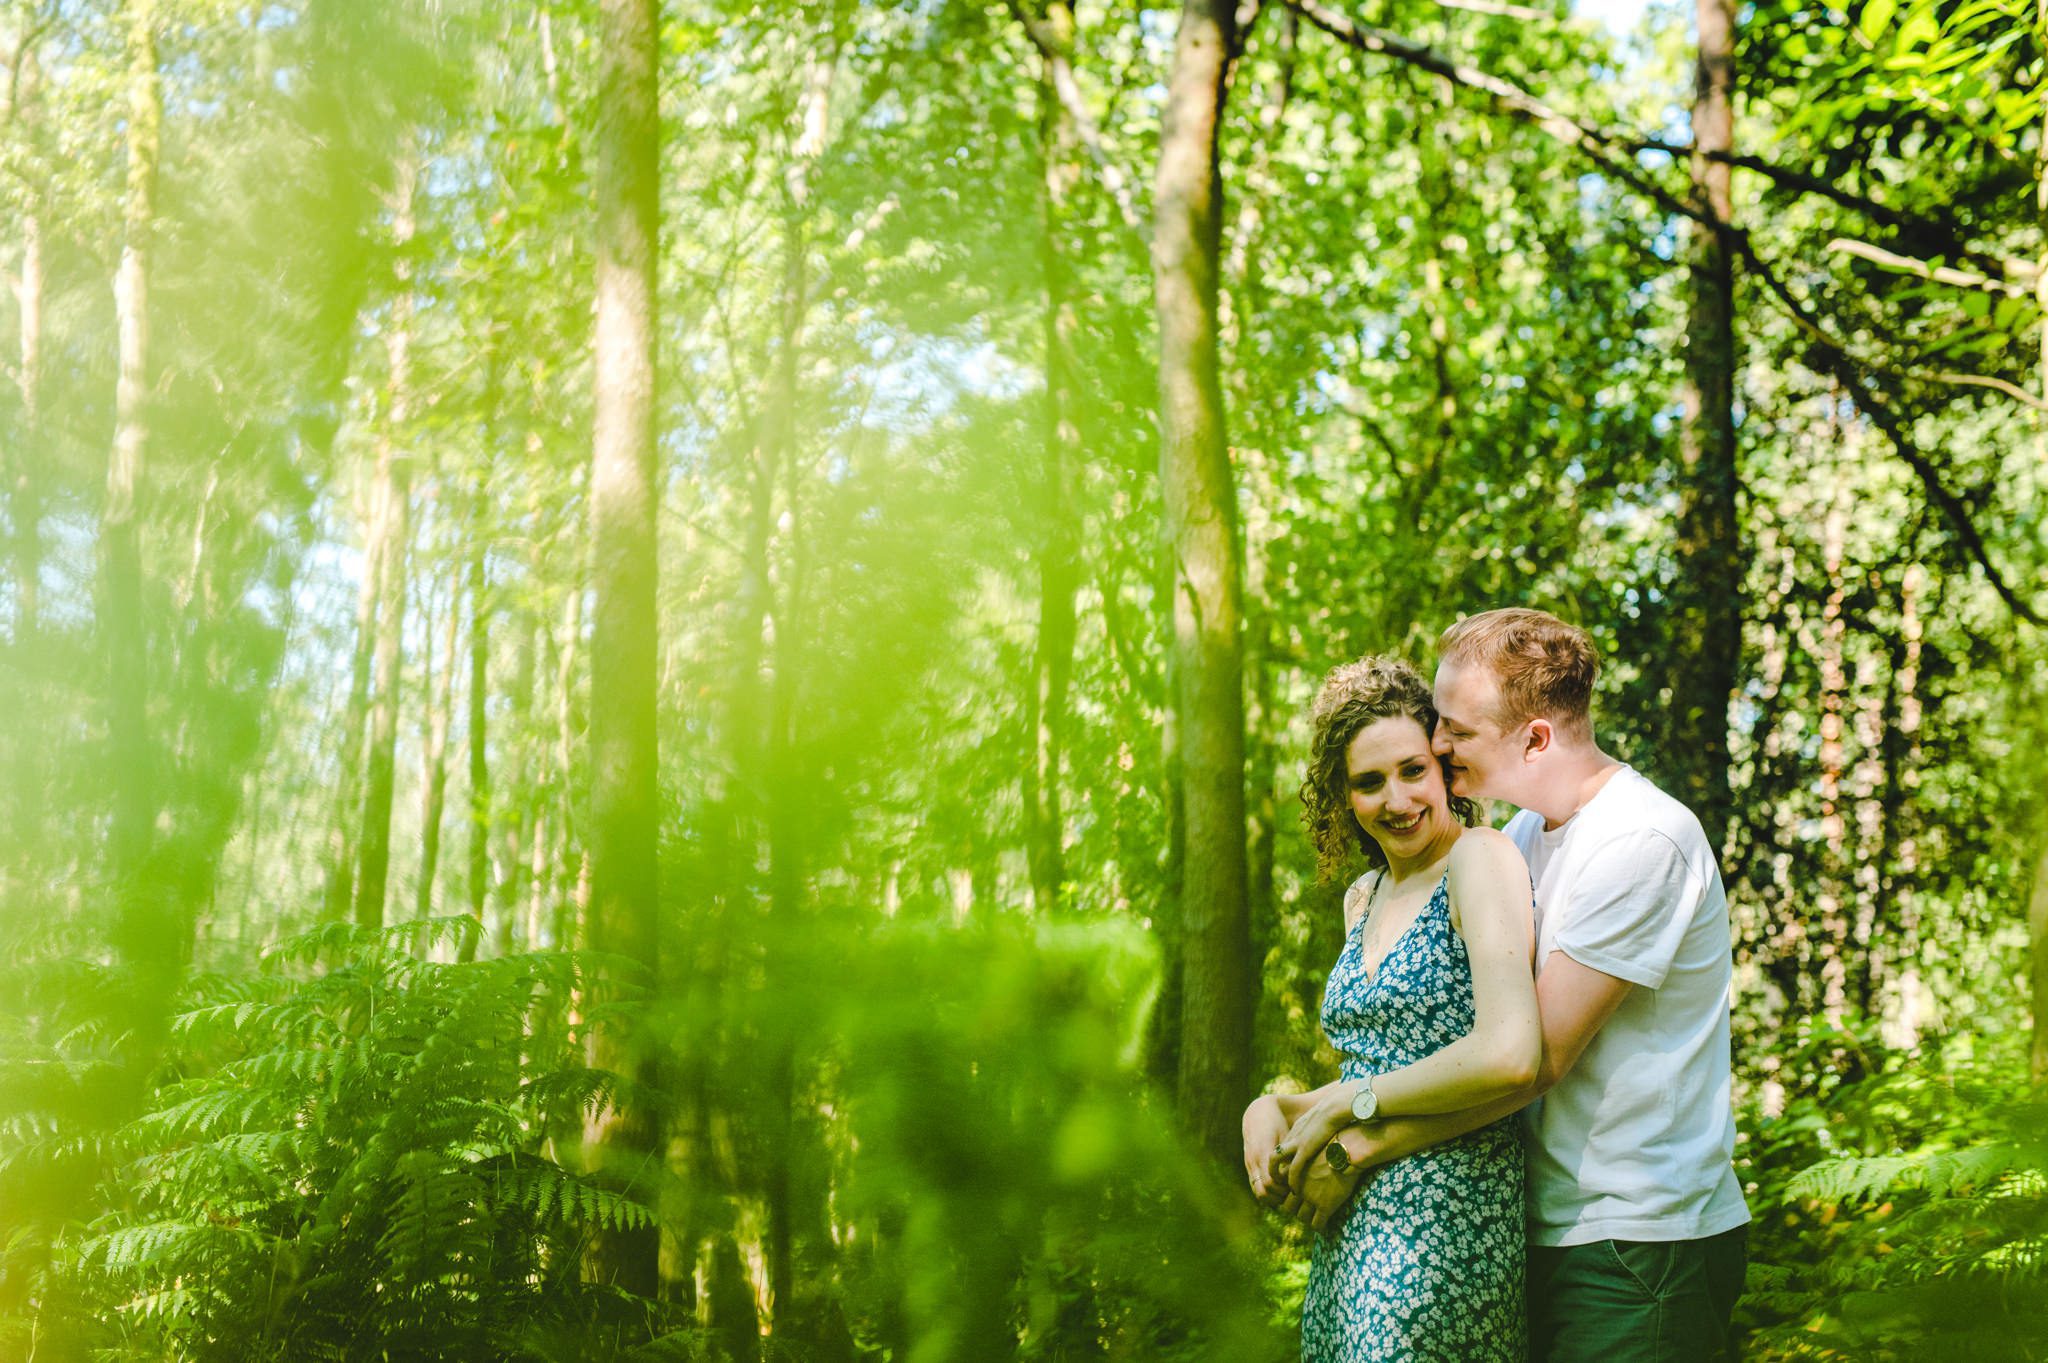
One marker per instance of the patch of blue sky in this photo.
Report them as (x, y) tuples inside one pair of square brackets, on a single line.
[(918, 379)]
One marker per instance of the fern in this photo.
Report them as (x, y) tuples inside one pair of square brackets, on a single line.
[(1934, 1248), (346, 1164)]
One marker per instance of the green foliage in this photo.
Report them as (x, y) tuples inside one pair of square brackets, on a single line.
[(1903, 1214), (354, 1164)]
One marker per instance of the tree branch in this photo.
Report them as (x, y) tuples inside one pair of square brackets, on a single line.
[(1513, 99), (1505, 11), (1606, 150), (2011, 390), (1056, 48), (2017, 283)]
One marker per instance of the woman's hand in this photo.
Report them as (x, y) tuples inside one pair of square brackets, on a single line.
[(1265, 1122), (1303, 1144)]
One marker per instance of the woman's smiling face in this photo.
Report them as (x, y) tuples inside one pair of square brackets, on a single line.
[(1396, 785)]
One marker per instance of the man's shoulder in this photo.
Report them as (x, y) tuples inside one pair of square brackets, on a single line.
[(1633, 809), (1524, 828)]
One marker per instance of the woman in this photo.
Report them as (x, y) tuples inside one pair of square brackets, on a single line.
[(1433, 1008)]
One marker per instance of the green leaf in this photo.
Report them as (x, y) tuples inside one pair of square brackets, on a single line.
[(1876, 16)]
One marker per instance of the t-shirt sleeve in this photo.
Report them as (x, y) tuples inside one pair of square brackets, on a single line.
[(1631, 903)]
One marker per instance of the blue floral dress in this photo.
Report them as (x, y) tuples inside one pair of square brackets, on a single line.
[(1427, 1265)]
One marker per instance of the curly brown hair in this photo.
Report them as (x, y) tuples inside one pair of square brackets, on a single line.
[(1353, 696)]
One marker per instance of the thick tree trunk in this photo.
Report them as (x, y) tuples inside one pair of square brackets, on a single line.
[(394, 478), (1058, 544), (1707, 643), (625, 1141), (122, 627), (1201, 532)]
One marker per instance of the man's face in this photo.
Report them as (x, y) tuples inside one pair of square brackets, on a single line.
[(1483, 758)]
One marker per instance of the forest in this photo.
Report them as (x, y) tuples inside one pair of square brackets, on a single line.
[(656, 655)]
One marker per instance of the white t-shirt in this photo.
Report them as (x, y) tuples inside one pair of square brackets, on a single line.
[(1635, 1143)]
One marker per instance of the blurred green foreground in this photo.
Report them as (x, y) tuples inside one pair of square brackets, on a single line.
[(547, 820)]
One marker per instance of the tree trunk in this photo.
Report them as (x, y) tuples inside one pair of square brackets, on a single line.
[(517, 815), (1058, 545), (2037, 910), (1708, 639), (339, 894), (765, 733), (1830, 943), (1244, 297), (479, 752), (434, 795), (394, 478), (567, 925), (133, 765), (1901, 818), (2037, 927), (24, 481), (1201, 533), (25, 474), (625, 1140)]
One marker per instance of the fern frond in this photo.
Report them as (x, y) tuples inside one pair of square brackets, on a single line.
[(1869, 1178)]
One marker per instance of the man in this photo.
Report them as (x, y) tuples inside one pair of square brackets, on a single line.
[(1636, 1221)]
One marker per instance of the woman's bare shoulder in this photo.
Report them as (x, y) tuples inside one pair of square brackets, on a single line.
[(1487, 859), (1483, 846)]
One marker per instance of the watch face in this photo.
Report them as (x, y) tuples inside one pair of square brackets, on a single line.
[(1365, 1104), (1338, 1156)]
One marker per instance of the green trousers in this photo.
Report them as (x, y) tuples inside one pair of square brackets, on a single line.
[(1632, 1301)]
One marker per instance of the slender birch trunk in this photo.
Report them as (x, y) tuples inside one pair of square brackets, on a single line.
[(479, 747), (339, 894), (394, 478)]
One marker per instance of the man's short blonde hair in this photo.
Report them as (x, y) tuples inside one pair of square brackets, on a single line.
[(1544, 666)]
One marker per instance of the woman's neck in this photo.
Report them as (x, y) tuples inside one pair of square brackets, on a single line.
[(1403, 869)]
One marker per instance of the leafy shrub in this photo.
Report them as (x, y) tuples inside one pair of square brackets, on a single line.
[(1903, 1213)]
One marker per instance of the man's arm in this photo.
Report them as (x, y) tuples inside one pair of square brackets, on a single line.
[(1573, 1002)]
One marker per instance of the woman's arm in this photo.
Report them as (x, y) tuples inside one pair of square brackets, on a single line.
[(1489, 888), (1575, 1002)]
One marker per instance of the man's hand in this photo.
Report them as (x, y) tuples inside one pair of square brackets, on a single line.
[(1304, 1142), (1323, 1194), (1264, 1125)]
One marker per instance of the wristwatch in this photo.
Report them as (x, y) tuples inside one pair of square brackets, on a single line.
[(1338, 1158), (1365, 1102)]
